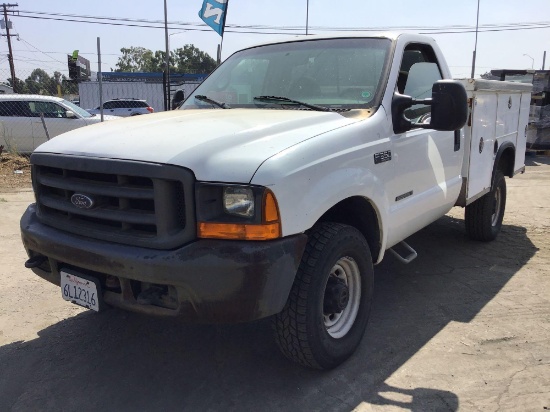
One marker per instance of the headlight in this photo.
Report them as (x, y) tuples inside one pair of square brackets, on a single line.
[(238, 201), (236, 212)]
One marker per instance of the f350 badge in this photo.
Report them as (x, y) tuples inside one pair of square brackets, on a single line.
[(382, 157)]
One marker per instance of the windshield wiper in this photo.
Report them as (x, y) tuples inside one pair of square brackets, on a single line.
[(207, 99), (283, 100)]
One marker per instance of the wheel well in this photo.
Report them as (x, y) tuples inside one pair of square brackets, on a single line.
[(359, 213), (506, 160)]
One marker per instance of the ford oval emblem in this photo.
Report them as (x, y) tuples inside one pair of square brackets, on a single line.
[(82, 201)]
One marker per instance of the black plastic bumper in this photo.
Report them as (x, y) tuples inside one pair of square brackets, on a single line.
[(214, 280)]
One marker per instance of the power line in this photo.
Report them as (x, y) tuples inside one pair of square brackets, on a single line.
[(115, 21), (56, 52), (45, 54), (146, 26), (296, 28)]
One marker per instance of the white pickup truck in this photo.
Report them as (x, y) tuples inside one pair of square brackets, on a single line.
[(275, 187)]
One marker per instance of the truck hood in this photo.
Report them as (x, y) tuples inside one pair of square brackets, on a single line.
[(217, 145), (97, 118)]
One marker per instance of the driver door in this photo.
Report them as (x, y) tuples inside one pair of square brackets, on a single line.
[(427, 163)]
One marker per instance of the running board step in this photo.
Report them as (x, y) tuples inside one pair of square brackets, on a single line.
[(412, 256)]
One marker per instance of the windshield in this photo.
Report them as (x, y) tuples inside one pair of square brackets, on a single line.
[(333, 73), (78, 110)]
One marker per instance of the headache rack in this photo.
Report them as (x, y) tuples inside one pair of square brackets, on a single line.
[(128, 202)]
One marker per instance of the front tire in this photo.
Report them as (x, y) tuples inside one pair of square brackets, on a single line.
[(483, 218), (327, 311)]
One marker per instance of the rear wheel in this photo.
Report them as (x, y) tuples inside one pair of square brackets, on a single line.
[(328, 308), (483, 218)]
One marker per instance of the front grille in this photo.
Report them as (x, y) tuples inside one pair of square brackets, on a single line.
[(134, 203)]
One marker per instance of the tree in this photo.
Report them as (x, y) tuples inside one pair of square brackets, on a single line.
[(21, 87), (188, 59), (192, 60), (134, 59), (40, 82)]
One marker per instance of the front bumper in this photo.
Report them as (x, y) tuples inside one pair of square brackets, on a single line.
[(214, 281)]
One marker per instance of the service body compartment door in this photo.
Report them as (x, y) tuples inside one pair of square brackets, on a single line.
[(522, 130), (507, 117), (484, 114)]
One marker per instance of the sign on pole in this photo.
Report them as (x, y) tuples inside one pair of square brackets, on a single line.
[(79, 67), (213, 13)]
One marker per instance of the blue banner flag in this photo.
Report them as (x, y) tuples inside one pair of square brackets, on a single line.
[(213, 14)]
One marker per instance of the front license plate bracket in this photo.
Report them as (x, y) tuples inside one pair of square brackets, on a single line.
[(81, 289)]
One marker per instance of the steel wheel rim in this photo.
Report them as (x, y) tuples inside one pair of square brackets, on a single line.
[(496, 207), (339, 324)]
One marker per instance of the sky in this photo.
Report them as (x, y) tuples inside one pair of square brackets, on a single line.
[(44, 42)]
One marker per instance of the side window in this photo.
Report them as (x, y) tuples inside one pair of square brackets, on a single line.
[(418, 72), (14, 109), (49, 109), (108, 105)]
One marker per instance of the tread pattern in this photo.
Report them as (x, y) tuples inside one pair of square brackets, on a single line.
[(289, 326), (477, 217)]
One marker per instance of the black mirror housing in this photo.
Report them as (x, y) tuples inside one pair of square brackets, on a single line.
[(449, 108), (449, 105), (399, 104)]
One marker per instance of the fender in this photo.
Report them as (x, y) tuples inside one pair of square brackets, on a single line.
[(509, 167), (323, 171)]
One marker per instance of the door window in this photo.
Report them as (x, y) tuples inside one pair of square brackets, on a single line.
[(418, 72), (49, 109), (15, 108)]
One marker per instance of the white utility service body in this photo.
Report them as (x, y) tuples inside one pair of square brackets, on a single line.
[(276, 186), (499, 113)]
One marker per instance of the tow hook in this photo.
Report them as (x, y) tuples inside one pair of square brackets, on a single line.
[(35, 261)]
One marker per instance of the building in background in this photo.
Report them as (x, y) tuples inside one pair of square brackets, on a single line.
[(5, 89), (147, 86)]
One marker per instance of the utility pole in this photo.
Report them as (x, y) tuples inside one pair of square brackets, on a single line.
[(307, 17), (10, 55), (167, 60), (475, 46)]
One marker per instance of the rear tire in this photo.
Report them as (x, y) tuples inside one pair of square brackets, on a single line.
[(483, 218), (327, 311)]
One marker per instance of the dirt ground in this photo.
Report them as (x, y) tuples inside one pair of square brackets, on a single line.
[(466, 326), (15, 171)]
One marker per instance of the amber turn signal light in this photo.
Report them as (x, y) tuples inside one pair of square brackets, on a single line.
[(270, 228), (238, 231)]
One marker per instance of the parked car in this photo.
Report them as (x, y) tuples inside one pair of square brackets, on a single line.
[(124, 107), (21, 126)]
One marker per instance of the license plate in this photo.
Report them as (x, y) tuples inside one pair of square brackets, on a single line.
[(83, 292)]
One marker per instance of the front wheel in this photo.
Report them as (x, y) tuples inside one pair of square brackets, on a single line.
[(483, 218), (328, 308)]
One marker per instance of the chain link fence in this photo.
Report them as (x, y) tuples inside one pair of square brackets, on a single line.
[(45, 106)]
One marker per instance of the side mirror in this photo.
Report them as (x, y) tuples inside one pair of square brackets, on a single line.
[(449, 108), (69, 114), (179, 97)]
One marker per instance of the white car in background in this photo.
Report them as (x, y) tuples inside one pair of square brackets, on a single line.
[(24, 119), (124, 107)]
